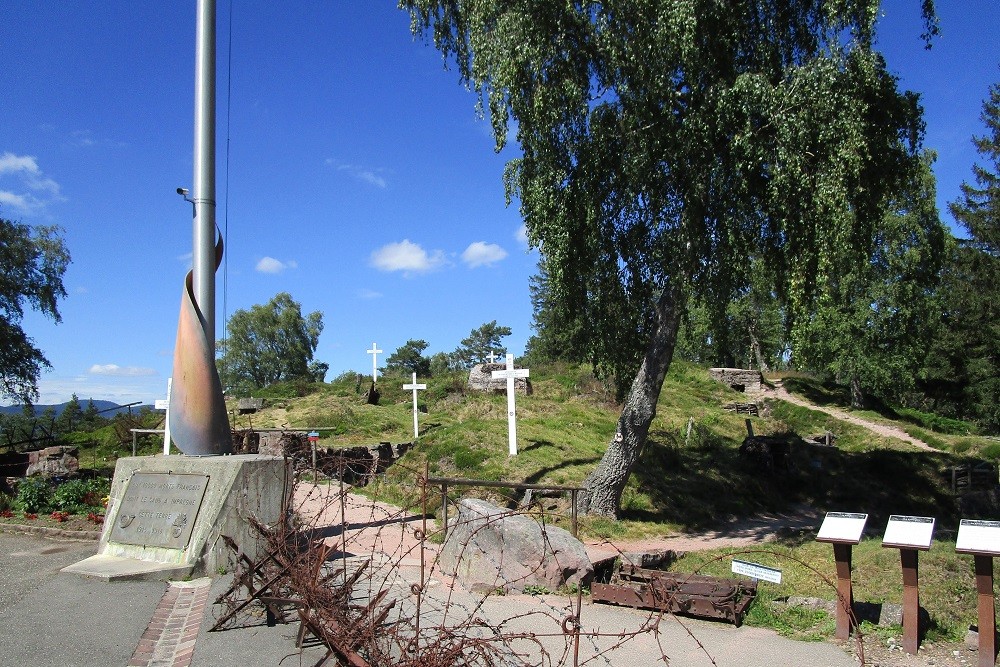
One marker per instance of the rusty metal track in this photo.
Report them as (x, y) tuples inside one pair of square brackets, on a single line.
[(691, 594)]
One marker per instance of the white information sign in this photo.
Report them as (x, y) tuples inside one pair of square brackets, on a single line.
[(978, 536), (915, 532), (842, 527), (757, 571)]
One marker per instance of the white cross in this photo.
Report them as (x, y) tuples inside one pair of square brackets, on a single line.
[(509, 374), (374, 352), (492, 357), (164, 404), (414, 387)]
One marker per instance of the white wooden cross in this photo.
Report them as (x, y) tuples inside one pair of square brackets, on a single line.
[(509, 374), (374, 352), (414, 386), (492, 357), (164, 404)]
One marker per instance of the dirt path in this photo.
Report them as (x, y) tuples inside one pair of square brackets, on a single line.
[(884, 430)]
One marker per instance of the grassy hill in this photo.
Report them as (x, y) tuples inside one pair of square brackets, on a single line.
[(683, 481)]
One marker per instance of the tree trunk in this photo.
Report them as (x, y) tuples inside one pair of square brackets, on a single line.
[(857, 393), (604, 486), (755, 347)]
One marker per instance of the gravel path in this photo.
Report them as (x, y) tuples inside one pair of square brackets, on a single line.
[(885, 430)]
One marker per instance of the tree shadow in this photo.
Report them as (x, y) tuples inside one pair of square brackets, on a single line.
[(708, 485)]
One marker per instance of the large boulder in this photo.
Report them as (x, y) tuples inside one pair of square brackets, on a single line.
[(481, 379), (58, 461), (489, 548)]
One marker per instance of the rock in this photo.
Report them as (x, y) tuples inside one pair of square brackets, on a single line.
[(489, 549), (971, 639), (481, 379), (53, 462), (891, 614)]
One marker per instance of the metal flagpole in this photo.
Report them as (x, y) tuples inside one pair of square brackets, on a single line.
[(204, 169)]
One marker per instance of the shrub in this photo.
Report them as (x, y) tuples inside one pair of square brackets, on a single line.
[(79, 496), (991, 451), (33, 495)]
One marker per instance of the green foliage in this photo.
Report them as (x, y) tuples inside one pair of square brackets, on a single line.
[(34, 495), (791, 142), (32, 263), (80, 496), (409, 358), (477, 346), (961, 372), (270, 343), (867, 326), (936, 422), (559, 332), (991, 451)]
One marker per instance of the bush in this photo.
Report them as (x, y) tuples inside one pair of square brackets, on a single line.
[(33, 495), (79, 496), (991, 451)]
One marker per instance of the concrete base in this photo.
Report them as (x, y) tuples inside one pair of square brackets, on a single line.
[(116, 568), (239, 487)]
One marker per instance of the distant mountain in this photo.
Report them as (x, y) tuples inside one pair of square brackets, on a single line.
[(107, 409)]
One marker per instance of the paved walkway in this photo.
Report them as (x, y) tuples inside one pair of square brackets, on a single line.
[(48, 618), (170, 636)]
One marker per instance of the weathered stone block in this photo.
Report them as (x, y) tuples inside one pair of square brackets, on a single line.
[(481, 379), (739, 379), (489, 548)]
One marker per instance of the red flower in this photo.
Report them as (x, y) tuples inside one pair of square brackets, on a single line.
[(95, 518), (59, 516), (6, 514), (31, 516)]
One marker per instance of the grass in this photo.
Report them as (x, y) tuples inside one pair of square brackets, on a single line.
[(947, 584), (683, 481)]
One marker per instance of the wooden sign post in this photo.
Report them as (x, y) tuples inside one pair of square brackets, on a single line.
[(510, 373), (981, 540), (909, 534), (415, 387), (843, 530)]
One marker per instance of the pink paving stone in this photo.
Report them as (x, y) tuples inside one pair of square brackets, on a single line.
[(169, 639)]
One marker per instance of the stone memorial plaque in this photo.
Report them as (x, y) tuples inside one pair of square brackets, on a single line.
[(981, 537), (842, 527), (909, 532), (158, 509)]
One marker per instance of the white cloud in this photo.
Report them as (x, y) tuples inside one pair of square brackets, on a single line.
[(373, 178), (521, 235), (405, 256), (368, 294), (10, 163), (483, 254), (120, 371), (366, 174), (27, 188), (16, 201), (272, 265)]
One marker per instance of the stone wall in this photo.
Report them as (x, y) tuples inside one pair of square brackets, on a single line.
[(737, 378)]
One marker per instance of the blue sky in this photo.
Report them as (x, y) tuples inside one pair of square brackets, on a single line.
[(360, 179)]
